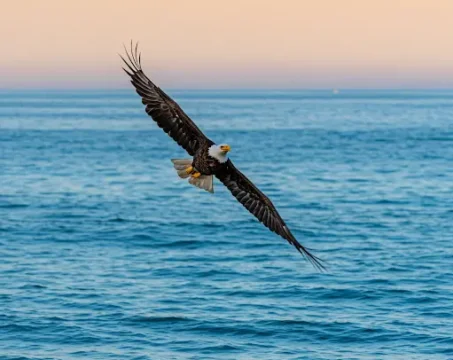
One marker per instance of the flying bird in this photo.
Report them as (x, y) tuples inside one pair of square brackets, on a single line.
[(208, 158)]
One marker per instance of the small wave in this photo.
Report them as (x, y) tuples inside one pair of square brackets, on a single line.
[(238, 330), (32, 286), (352, 294), (159, 319), (13, 206)]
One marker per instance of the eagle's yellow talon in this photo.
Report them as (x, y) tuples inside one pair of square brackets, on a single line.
[(196, 175), (189, 169)]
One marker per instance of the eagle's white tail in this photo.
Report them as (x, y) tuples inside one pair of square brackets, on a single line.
[(205, 182), (181, 165)]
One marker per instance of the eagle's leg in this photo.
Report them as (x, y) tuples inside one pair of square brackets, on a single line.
[(196, 174), (189, 169)]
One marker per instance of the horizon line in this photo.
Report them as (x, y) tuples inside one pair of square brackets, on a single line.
[(232, 89)]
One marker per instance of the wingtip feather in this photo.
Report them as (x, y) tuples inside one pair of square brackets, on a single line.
[(133, 61), (127, 72), (318, 263)]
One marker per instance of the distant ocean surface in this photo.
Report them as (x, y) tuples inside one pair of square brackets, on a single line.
[(106, 254)]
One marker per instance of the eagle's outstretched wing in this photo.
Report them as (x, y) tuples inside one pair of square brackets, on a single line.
[(261, 207), (164, 110)]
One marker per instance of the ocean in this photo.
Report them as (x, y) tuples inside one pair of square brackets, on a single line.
[(107, 254)]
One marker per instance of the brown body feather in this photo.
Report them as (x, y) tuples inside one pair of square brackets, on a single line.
[(205, 163)]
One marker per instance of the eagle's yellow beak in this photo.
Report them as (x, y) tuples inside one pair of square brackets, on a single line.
[(225, 148)]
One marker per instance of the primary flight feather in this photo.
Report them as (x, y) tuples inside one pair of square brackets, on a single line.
[(208, 158)]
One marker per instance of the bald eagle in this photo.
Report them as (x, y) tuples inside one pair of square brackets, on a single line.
[(208, 158)]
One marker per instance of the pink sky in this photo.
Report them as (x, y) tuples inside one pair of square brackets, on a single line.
[(229, 44)]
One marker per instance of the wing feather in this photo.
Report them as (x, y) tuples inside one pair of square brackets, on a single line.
[(261, 207), (164, 110)]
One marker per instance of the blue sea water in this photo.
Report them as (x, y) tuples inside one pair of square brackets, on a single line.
[(106, 254)]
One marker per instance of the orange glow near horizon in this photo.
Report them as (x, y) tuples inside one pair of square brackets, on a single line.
[(229, 44)]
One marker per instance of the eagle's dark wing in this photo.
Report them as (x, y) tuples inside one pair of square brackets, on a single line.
[(261, 207), (164, 111)]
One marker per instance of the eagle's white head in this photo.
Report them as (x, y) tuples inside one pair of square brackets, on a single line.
[(219, 152)]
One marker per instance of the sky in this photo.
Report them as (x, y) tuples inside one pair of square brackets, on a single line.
[(229, 44)]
